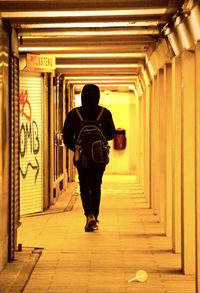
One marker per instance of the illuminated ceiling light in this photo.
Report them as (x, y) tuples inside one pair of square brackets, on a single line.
[(47, 49), (116, 84), (132, 87), (185, 36), (107, 85), (101, 55), (58, 34), (101, 77), (147, 23), (102, 82), (85, 13), (177, 21), (91, 24), (98, 65), (107, 92), (194, 23), (175, 43), (68, 48)]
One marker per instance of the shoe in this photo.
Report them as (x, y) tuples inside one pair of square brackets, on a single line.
[(95, 226), (90, 223)]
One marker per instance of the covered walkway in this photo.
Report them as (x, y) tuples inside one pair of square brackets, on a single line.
[(145, 57), (130, 238)]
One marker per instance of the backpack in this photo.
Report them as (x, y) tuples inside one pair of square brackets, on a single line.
[(91, 145)]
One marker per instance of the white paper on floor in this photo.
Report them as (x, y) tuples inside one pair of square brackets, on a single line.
[(140, 276)]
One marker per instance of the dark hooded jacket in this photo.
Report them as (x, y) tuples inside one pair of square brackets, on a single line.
[(89, 110)]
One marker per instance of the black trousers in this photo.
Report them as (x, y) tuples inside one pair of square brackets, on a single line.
[(90, 180)]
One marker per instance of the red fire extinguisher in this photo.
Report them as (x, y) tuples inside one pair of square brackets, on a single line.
[(120, 139)]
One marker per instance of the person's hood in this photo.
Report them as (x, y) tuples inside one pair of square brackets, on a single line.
[(90, 96)]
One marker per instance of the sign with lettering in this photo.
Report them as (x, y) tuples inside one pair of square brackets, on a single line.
[(41, 62)]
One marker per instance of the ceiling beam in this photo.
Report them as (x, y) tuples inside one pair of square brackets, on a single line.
[(38, 5)]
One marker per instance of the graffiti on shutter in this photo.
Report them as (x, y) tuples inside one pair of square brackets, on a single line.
[(31, 126)]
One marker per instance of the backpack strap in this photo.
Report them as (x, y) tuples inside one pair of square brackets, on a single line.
[(100, 114), (98, 118), (79, 114)]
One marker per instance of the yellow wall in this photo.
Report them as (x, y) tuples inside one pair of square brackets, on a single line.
[(123, 108), (124, 111)]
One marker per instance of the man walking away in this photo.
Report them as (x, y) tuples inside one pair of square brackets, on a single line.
[(86, 132)]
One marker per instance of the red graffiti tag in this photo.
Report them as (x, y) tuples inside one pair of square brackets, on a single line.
[(25, 106)]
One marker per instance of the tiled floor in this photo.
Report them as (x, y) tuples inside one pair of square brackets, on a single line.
[(130, 238)]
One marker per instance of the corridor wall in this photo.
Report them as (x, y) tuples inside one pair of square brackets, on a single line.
[(124, 111), (197, 162), (174, 155)]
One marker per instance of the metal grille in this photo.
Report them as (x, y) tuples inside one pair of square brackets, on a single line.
[(15, 184)]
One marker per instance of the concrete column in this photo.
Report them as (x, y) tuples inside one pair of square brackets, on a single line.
[(65, 108), (142, 142), (154, 145), (147, 143), (168, 98), (188, 159), (161, 176), (51, 142), (197, 62), (46, 112), (139, 135), (176, 154)]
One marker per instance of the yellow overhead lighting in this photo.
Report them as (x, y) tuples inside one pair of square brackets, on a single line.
[(175, 42), (85, 13), (185, 36), (48, 49), (116, 84), (112, 32), (194, 23), (131, 87), (107, 84), (101, 55), (91, 24), (102, 82), (128, 65), (124, 77), (71, 49)]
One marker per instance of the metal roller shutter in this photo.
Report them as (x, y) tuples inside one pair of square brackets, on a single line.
[(31, 144)]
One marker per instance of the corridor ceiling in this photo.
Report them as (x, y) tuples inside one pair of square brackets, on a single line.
[(91, 39)]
